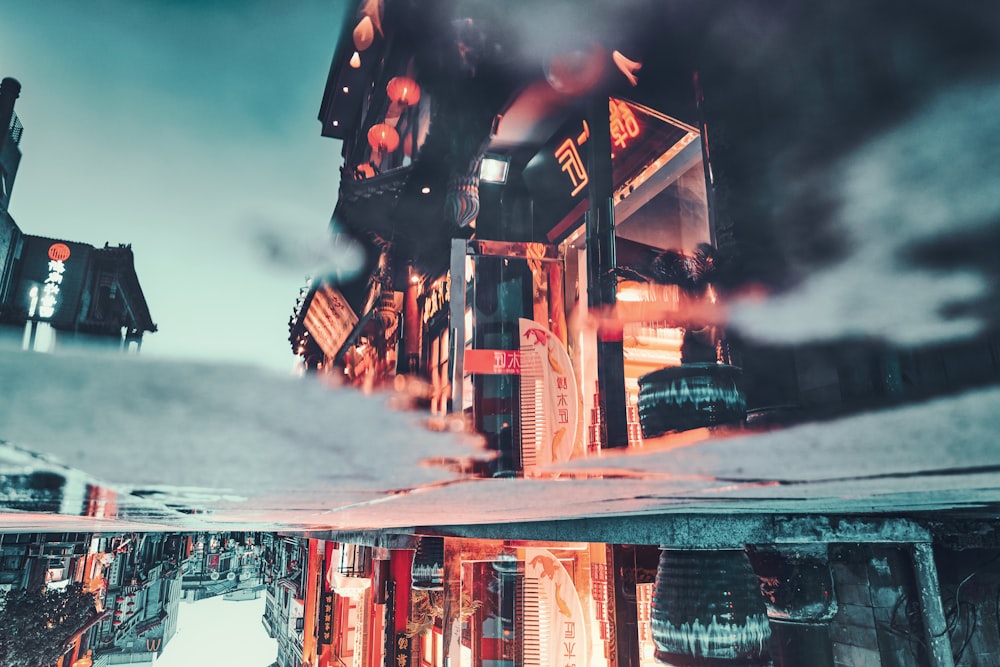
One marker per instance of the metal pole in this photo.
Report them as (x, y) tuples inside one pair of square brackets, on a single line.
[(935, 625), (602, 279)]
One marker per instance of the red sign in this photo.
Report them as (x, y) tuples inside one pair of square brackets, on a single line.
[(493, 362), (624, 124), (58, 252)]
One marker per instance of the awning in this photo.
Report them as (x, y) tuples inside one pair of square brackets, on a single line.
[(348, 587)]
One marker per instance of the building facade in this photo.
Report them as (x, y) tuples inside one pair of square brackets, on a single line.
[(555, 203), (55, 292)]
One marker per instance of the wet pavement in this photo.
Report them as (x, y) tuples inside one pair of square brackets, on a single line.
[(932, 455)]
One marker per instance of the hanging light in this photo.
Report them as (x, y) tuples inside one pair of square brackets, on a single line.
[(403, 90), (364, 34), (576, 72), (355, 61), (383, 137)]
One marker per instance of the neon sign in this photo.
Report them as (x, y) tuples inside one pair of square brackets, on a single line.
[(624, 124), (46, 301), (568, 156), (624, 128)]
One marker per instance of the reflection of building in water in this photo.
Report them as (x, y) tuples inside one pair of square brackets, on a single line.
[(143, 597), (286, 573), (223, 563), (134, 578), (57, 292), (803, 592)]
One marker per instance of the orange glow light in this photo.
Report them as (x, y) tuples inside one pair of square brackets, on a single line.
[(403, 90), (383, 137)]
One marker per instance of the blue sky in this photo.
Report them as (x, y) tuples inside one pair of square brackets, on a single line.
[(188, 129)]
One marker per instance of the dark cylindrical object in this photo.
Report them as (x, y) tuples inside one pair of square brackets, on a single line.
[(795, 582), (428, 564), (690, 396), (10, 89), (708, 610)]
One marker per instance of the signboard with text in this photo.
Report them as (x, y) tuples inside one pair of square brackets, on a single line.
[(402, 650), (492, 362), (558, 175), (52, 273), (326, 618), (330, 319), (565, 636), (550, 398)]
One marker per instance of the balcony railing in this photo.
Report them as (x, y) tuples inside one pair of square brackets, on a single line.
[(16, 129)]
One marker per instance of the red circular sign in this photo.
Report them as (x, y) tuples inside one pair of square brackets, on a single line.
[(58, 252)]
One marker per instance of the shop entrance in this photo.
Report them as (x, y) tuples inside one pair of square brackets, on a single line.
[(513, 376)]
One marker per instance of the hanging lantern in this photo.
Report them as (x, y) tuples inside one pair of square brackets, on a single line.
[(119, 599), (116, 622), (383, 137), (364, 34), (355, 61), (118, 612), (403, 90), (708, 610), (576, 72)]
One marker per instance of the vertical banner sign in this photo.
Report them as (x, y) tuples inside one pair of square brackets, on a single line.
[(326, 618), (330, 319), (565, 640), (402, 650), (52, 276), (550, 399)]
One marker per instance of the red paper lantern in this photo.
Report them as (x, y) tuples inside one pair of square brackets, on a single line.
[(383, 137), (403, 90), (364, 33)]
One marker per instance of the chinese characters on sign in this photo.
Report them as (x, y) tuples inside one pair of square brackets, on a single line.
[(570, 161), (493, 362), (549, 396), (330, 319), (599, 593), (326, 618), (624, 128), (402, 650), (624, 124), (563, 629), (569, 647), (49, 298)]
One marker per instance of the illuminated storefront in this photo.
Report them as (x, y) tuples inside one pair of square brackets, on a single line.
[(538, 246), (67, 293), (506, 603)]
